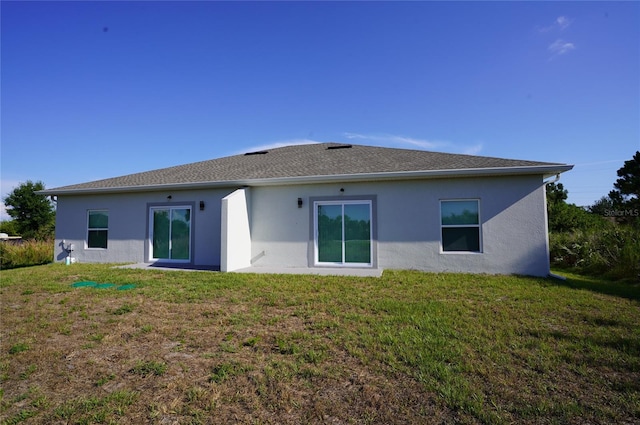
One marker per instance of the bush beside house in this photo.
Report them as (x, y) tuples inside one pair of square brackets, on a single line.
[(603, 239)]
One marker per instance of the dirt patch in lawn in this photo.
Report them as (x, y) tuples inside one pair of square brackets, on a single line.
[(409, 347), (96, 357)]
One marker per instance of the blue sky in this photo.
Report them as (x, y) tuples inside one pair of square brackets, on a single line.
[(92, 90)]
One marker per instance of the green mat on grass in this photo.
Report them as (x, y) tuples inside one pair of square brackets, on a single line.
[(90, 284), (82, 284)]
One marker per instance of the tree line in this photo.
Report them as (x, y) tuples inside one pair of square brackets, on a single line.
[(603, 238), (33, 215)]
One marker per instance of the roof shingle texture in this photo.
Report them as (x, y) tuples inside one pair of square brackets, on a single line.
[(322, 159)]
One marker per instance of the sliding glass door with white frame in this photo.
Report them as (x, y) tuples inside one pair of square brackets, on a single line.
[(170, 233), (343, 231)]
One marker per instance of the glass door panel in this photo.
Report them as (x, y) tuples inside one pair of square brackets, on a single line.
[(161, 229), (171, 233), (330, 233), (180, 233), (357, 233), (343, 233)]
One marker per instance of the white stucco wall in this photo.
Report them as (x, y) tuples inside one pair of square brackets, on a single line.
[(235, 245), (512, 213), (406, 222), (128, 225)]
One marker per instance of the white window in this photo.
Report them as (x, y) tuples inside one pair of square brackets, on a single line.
[(97, 228), (343, 232), (460, 225)]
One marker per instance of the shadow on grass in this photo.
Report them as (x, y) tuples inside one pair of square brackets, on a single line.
[(600, 285), (169, 266), (626, 348)]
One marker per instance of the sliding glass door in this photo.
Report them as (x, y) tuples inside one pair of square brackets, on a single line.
[(170, 233), (343, 233)]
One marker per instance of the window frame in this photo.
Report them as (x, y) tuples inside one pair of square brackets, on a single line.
[(97, 229), (342, 202), (478, 226)]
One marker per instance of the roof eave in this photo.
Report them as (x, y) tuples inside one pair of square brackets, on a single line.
[(544, 170)]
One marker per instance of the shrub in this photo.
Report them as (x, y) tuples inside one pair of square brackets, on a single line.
[(612, 251), (26, 253)]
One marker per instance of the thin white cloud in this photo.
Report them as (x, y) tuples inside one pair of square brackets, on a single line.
[(424, 144), (4, 215), (563, 22), (561, 47), (403, 141), (356, 136), (618, 161), (386, 140), (397, 140), (473, 150), (279, 144), (560, 24), (6, 187)]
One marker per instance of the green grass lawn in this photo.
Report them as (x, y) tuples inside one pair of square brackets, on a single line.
[(410, 347)]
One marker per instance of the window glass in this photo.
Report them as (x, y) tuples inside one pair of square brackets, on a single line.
[(344, 232), (459, 212), (460, 225), (98, 229), (98, 219), (180, 229), (171, 233), (461, 239), (330, 233), (357, 233), (160, 234)]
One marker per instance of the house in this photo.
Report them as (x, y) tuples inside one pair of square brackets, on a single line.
[(315, 206)]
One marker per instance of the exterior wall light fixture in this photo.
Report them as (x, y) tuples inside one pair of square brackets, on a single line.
[(299, 202), (201, 205)]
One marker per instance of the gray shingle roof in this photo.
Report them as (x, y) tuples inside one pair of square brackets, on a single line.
[(299, 161)]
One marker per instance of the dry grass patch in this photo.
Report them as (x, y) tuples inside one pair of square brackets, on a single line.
[(224, 348), (25, 253)]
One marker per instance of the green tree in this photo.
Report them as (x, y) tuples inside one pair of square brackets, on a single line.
[(626, 195), (591, 243), (623, 202), (556, 193), (628, 183), (32, 213), (564, 217), (603, 206), (9, 227)]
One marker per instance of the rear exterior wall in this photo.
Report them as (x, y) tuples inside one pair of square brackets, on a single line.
[(407, 224), (129, 225), (406, 221)]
